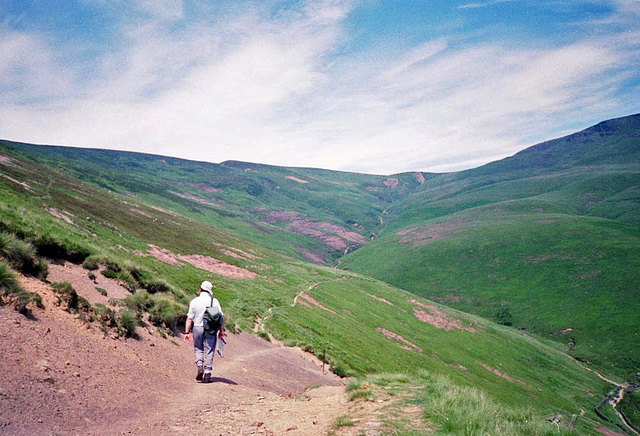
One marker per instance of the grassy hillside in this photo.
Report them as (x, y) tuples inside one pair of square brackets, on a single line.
[(547, 241), (306, 213), (362, 325)]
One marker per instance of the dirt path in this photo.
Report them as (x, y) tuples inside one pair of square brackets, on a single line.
[(258, 388), (60, 375)]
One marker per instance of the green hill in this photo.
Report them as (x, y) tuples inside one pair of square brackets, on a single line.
[(546, 241), (551, 249)]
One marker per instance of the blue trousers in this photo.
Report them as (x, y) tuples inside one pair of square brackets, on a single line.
[(204, 346)]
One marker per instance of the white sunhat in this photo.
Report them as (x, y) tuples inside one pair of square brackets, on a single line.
[(206, 286)]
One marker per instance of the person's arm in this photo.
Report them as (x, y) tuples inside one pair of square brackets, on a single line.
[(187, 328)]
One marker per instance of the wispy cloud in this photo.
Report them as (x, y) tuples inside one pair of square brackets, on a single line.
[(484, 4), (275, 86)]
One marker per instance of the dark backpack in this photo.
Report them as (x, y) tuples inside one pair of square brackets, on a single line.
[(213, 319)]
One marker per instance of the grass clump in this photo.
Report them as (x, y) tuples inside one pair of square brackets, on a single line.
[(105, 316), (357, 388), (127, 324), (342, 421), (22, 256), (166, 313), (12, 293), (138, 303), (60, 248), (74, 302)]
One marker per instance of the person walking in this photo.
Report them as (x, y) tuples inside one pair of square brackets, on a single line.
[(204, 343)]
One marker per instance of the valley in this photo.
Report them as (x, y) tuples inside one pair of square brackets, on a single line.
[(511, 284)]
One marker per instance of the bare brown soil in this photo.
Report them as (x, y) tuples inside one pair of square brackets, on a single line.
[(407, 345), (316, 303), (61, 215), (391, 182), (437, 318), (382, 300), (501, 375), (607, 432), (11, 179), (332, 235), (419, 236), (62, 375), (311, 257), (296, 179), (205, 263), (194, 198)]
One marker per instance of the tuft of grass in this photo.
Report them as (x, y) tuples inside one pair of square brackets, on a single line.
[(165, 312), (75, 303), (365, 394), (22, 256), (353, 384), (105, 316), (342, 421), (138, 303), (290, 343), (127, 324)]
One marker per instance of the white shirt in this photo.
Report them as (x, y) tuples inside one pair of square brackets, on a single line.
[(198, 306)]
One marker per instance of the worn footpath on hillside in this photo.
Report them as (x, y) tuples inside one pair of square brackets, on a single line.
[(60, 375)]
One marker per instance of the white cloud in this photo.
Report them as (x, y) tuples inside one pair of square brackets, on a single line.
[(28, 71), (269, 89)]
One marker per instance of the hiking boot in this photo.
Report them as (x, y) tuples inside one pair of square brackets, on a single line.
[(200, 373), (207, 378)]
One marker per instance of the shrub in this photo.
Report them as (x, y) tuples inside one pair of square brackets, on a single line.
[(290, 343), (8, 282), (366, 394), (504, 316), (353, 384), (127, 324)]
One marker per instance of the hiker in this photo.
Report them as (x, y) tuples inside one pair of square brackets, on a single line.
[(204, 343)]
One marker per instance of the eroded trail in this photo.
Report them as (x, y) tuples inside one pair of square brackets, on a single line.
[(62, 375), (259, 388)]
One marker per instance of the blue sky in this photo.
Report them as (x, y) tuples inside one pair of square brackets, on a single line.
[(374, 86)]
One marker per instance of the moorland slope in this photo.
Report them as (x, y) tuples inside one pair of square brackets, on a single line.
[(159, 225)]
